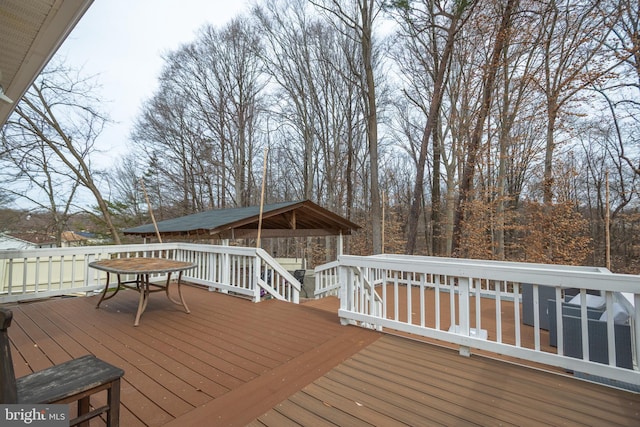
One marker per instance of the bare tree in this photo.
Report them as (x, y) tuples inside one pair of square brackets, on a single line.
[(290, 38), (169, 135), (37, 177), (125, 181), (489, 77), (430, 28), (204, 119), (359, 17), (573, 35), (621, 95), (319, 103), (59, 119), (515, 152), (237, 71)]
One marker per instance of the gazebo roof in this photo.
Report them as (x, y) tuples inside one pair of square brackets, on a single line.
[(287, 219)]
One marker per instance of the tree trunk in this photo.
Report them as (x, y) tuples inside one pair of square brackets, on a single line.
[(466, 184), (372, 125), (434, 111), (547, 184), (74, 160), (436, 204)]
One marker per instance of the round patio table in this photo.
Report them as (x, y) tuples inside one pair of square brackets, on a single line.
[(142, 268)]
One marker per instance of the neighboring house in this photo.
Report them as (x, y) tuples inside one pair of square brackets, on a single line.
[(72, 239), (93, 238), (16, 241), (40, 240)]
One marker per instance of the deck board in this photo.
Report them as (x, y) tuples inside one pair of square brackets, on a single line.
[(140, 393), (238, 407), (176, 363), (436, 386), (233, 362)]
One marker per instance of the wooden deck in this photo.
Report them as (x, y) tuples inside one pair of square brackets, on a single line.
[(396, 381), (233, 362)]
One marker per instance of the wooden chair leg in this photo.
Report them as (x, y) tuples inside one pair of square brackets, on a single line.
[(84, 406), (113, 400)]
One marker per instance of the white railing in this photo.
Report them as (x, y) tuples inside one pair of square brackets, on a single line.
[(478, 304), (327, 283), (42, 273), (275, 280)]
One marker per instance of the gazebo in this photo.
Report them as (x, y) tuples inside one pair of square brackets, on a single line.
[(287, 219)]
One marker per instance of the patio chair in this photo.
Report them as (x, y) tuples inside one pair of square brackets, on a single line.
[(299, 276), (544, 293), (73, 381), (597, 334), (595, 304), (266, 277)]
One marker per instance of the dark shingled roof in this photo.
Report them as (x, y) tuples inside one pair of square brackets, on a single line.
[(287, 219)]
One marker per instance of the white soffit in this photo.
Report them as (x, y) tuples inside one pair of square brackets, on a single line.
[(30, 33)]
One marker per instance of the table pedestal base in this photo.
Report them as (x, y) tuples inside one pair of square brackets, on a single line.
[(144, 286)]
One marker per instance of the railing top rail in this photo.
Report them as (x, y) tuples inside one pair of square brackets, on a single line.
[(327, 266), (560, 267), (278, 268), (107, 249), (516, 272), (82, 250), (232, 250)]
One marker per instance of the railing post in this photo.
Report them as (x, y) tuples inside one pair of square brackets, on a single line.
[(463, 312), (611, 334), (90, 272), (3, 267), (345, 291), (463, 305), (635, 324), (584, 324), (226, 269), (255, 277), (536, 317), (559, 323), (516, 312)]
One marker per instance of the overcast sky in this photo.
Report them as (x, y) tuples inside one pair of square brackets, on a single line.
[(123, 41)]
